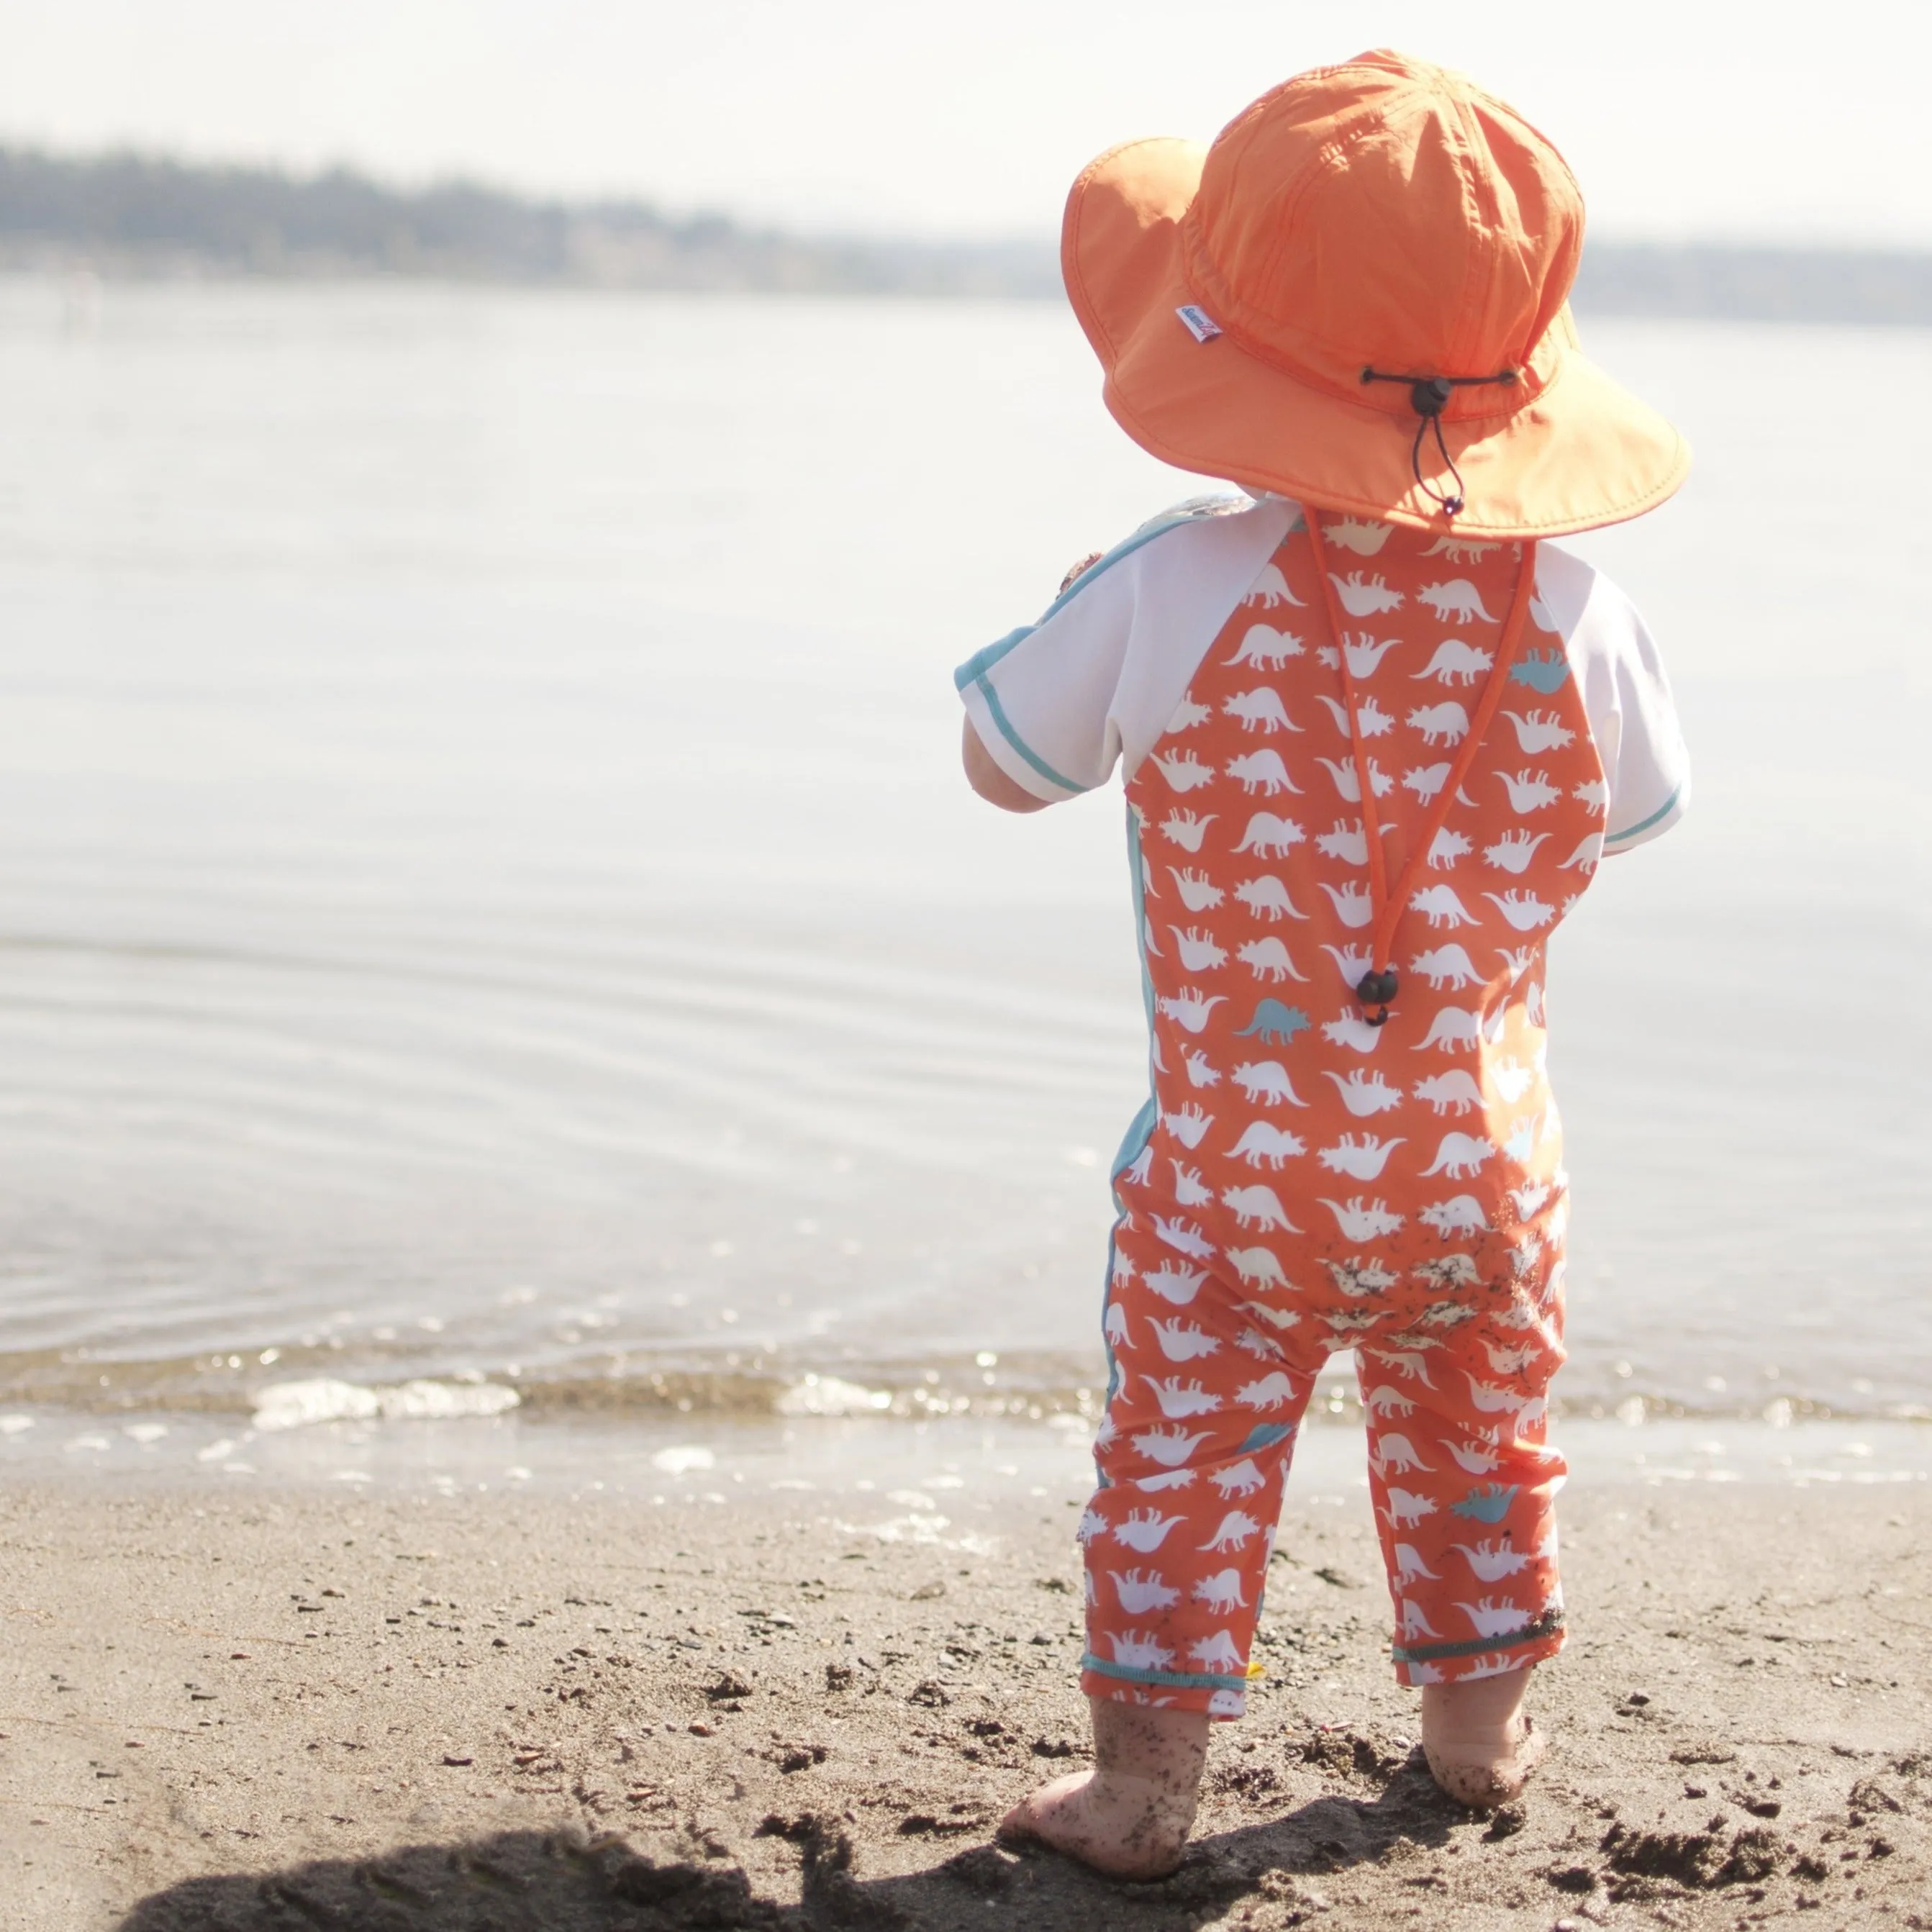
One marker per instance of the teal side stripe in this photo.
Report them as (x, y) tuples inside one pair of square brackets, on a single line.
[(1548, 1624), (1019, 744), (1663, 811), (1177, 1680)]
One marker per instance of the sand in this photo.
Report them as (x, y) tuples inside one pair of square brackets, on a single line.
[(320, 1709)]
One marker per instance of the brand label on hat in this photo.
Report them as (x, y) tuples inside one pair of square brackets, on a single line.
[(1199, 323)]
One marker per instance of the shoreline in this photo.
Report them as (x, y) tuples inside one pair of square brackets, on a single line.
[(244, 1707)]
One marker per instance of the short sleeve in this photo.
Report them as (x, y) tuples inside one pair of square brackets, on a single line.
[(1059, 703), (1627, 696)]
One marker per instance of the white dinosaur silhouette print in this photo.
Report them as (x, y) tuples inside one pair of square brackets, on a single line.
[(1184, 771), (1351, 964), (1362, 1221), (1444, 724), (1185, 830), (1585, 858), (1198, 892), (1218, 1653), (1263, 1145), (1221, 1592), (1459, 1156), (1198, 952), (1270, 837), (1275, 1318), (1236, 1528), (1163, 1480), (1169, 1446), (1451, 1270), (1252, 1341), (1114, 1325), (1459, 549), (1524, 910), (1265, 648), (1491, 1562), (1358, 534), (1510, 1361), (1262, 771), (1190, 1190), (1187, 714), (1348, 785), (1493, 1400), (1530, 1197), (1407, 1363), (1141, 1167), (1532, 1003), (1381, 1399), (1446, 966), (1594, 793), (1267, 898), (1511, 1079), (1460, 1214), (1258, 1206), (1539, 731), (1351, 1029), (1270, 589), (1184, 1237), (1426, 780), (1409, 1566), (1361, 1157), (1258, 1268), (1090, 1526), (1360, 1275), (1174, 1284), (1267, 959), (1475, 1458), (1183, 1341), (1239, 1479), (1413, 1623), (1190, 1009), (1513, 851), (1144, 1531), (1452, 1093), (1138, 1594), (1364, 1093), (1266, 1083), (1353, 905), (1488, 1618), (1446, 847), (1455, 662), (1345, 841), (1364, 653), (1405, 1509), (1375, 721), (1188, 1125), (1522, 1138), (1260, 710), (1528, 791), (1365, 597), (1272, 1391), (1542, 617), (1441, 906), (1200, 1071), (1458, 599), (1137, 1650)]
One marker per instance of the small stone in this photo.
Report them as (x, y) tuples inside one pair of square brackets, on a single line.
[(450, 1757), (701, 1730)]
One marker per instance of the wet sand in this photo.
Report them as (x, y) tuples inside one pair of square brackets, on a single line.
[(308, 1709)]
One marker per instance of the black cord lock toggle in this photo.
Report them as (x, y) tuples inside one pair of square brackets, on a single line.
[(1377, 989), (1429, 397)]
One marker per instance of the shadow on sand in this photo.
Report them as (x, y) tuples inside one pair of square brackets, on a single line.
[(535, 1882)]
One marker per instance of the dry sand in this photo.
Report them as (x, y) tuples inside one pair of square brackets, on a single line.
[(313, 1710)]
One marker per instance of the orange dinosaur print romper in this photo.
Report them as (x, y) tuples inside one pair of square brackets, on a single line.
[(1316, 1170)]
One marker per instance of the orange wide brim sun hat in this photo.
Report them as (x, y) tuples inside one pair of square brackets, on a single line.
[(1356, 297)]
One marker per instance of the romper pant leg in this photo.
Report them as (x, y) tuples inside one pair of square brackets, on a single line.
[(1464, 1487), (1205, 1396)]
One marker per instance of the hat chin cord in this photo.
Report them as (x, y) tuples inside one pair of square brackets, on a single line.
[(1429, 396)]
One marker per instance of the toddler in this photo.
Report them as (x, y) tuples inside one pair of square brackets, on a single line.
[(1376, 736)]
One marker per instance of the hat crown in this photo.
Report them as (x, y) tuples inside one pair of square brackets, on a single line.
[(1389, 213)]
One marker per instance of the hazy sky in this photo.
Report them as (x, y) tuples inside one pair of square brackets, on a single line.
[(971, 116)]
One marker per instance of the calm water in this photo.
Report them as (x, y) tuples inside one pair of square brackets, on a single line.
[(485, 889)]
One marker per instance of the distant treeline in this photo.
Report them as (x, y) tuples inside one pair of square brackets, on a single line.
[(129, 214)]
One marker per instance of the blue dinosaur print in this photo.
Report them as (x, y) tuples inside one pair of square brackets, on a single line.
[(1544, 671), (1266, 1435), (1275, 1024), (1488, 1503)]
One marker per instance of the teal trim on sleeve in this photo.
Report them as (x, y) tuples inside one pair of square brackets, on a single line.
[(1663, 812), (1177, 1680), (982, 662), (998, 713), (1547, 1625)]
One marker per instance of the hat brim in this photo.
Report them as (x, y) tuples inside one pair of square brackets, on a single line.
[(1582, 453)]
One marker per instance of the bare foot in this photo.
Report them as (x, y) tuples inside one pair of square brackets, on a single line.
[(1129, 1816), (1480, 1744)]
